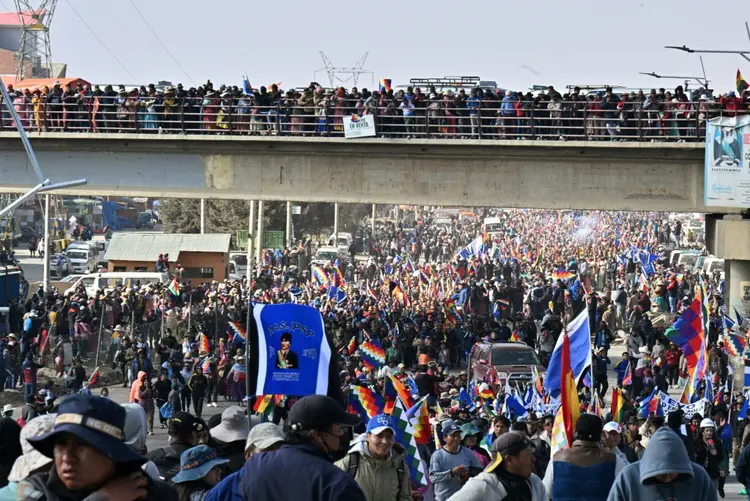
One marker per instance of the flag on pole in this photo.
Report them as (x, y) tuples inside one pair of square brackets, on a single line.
[(579, 337), (618, 402), (237, 331), (174, 287), (740, 82), (93, 378), (405, 436), (403, 393), (627, 379), (204, 346), (263, 407), (373, 354), (352, 347), (365, 402), (419, 415), (570, 407)]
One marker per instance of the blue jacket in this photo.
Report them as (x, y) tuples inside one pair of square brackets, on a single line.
[(227, 490), (297, 473), (664, 454)]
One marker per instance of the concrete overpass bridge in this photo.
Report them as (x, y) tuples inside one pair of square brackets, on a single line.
[(525, 174)]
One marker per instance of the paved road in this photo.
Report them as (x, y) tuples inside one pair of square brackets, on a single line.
[(33, 270)]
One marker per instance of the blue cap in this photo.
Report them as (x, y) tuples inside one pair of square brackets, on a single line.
[(196, 462), (378, 424), (449, 427)]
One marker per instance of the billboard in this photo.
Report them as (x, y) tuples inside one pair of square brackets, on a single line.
[(727, 170)]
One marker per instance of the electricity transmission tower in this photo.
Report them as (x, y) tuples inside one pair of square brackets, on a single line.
[(35, 52), (334, 72)]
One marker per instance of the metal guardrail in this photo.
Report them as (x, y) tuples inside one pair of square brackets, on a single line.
[(562, 120)]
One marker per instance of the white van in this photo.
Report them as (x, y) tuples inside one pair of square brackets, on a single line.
[(108, 281), (345, 240), (83, 258), (493, 225), (688, 259), (329, 254), (711, 264), (238, 263)]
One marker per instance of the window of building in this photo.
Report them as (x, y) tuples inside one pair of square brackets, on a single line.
[(198, 273), (120, 268), (140, 268)]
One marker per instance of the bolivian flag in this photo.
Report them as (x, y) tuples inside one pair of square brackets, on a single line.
[(571, 407), (740, 83)]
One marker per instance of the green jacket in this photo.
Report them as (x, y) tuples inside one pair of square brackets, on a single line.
[(379, 479)]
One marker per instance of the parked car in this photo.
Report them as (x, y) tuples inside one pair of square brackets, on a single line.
[(27, 233), (145, 221), (59, 266)]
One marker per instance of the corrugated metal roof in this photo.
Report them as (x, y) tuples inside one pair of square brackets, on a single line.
[(148, 246)]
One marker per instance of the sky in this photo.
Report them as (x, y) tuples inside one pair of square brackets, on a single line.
[(517, 44)]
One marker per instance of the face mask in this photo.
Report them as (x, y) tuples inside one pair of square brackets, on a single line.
[(343, 448)]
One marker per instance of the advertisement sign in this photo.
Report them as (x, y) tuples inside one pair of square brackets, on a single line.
[(356, 126), (727, 170), (289, 351)]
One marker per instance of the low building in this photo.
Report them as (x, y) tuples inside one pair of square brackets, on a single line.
[(203, 257)]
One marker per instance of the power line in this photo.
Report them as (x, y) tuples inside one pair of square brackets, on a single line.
[(100, 41), (162, 43)]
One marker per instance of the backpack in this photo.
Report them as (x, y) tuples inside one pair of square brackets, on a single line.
[(354, 466)]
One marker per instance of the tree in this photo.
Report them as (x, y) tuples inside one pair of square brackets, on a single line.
[(182, 215)]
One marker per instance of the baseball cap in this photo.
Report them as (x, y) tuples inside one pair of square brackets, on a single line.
[(264, 435), (508, 444), (449, 427), (589, 428), (378, 424), (612, 426), (317, 412)]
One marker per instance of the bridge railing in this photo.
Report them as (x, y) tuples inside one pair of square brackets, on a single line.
[(580, 120)]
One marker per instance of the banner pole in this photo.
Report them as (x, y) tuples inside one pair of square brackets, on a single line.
[(249, 332)]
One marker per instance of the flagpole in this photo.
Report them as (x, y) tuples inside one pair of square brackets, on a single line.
[(250, 330), (101, 327)]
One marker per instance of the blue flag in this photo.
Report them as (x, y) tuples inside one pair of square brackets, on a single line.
[(246, 88), (466, 401), (289, 351), (580, 353), (514, 407)]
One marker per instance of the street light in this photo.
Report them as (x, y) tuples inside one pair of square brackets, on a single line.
[(743, 53)]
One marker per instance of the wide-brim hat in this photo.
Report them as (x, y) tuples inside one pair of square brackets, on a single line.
[(31, 459), (233, 426), (196, 462), (97, 421)]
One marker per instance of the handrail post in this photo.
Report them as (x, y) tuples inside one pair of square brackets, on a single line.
[(278, 119), (479, 118), (229, 115), (327, 118), (532, 125), (182, 114)]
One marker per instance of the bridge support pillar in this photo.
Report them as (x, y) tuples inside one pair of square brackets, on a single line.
[(250, 224), (289, 236), (259, 235), (336, 224), (728, 237), (203, 216)]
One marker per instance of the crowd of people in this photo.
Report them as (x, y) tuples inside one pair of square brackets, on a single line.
[(431, 292), (463, 112)]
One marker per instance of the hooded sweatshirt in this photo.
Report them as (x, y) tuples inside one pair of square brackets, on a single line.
[(135, 388), (135, 435), (379, 479), (665, 454)]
